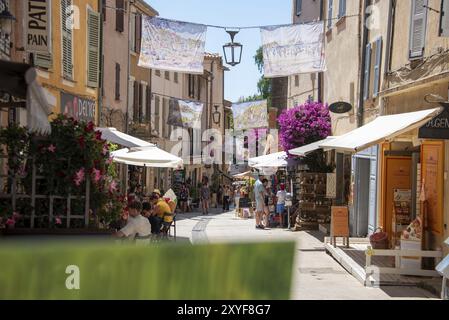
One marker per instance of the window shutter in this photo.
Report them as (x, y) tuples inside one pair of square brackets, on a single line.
[(418, 28), (330, 13), (156, 114), (175, 77), (138, 33), (43, 60), (67, 52), (164, 118), (104, 4), (120, 15), (367, 71), (148, 104), (93, 51), (136, 102), (117, 81), (298, 7), (444, 18), (377, 65), (141, 88), (342, 8)]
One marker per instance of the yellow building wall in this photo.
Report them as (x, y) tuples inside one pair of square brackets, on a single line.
[(52, 80)]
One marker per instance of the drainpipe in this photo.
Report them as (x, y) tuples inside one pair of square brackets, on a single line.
[(101, 71), (129, 67), (360, 111), (211, 98), (389, 51), (320, 74)]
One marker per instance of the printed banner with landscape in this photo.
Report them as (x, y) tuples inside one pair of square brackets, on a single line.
[(171, 45), (290, 50), (185, 114), (250, 115)]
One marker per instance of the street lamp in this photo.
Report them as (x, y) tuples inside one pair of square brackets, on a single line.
[(6, 19), (216, 116), (232, 50)]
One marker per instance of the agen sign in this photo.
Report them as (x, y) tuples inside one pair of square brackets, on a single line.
[(437, 128), (38, 37)]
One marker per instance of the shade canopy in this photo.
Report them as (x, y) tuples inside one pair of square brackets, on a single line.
[(114, 136), (382, 129), (150, 156), (305, 150), (244, 176), (253, 162), (273, 163)]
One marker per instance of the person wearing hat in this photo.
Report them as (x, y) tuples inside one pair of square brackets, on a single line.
[(161, 213), (137, 224)]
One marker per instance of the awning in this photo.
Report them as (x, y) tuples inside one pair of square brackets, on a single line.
[(150, 156), (305, 150), (267, 158), (114, 136), (383, 128), (274, 163)]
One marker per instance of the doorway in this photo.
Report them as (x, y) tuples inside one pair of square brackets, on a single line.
[(362, 187)]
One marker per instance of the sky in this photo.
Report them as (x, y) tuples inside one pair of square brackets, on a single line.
[(242, 79)]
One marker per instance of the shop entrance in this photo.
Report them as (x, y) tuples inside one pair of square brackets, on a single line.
[(397, 175)]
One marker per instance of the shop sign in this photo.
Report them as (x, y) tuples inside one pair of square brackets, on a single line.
[(80, 109), (340, 107), (38, 25), (340, 222), (437, 128)]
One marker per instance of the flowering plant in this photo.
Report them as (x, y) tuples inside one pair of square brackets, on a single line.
[(304, 124)]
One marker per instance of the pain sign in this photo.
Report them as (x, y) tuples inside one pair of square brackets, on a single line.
[(38, 26)]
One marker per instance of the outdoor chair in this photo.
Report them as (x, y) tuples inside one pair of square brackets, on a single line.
[(166, 230)]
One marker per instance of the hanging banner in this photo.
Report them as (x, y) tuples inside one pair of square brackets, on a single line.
[(78, 108), (172, 45), (295, 49), (38, 26), (185, 114), (250, 115)]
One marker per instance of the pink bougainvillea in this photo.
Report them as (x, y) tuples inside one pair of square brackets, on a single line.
[(304, 124), (96, 175), (79, 177)]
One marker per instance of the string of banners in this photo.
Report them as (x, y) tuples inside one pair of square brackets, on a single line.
[(180, 46)]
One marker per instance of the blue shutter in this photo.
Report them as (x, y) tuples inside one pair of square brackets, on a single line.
[(342, 8), (377, 66), (298, 7), (367, 71), (444, 19), (330, 13)]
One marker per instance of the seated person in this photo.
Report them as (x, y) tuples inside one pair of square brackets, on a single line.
[(137, 224), (146, 209), (161, 213)]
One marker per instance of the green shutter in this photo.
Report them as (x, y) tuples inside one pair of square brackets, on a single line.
[(67, 52), (43, 60), (93, 49)]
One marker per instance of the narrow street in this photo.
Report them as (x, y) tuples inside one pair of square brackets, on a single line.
[(317, 276)]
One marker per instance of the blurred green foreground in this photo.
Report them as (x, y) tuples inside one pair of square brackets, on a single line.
[(173, 272)]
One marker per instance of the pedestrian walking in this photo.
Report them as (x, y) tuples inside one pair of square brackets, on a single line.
[(280, 204), (259, 193), (205, 196)]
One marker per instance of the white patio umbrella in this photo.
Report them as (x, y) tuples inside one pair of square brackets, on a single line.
[(150, 156)]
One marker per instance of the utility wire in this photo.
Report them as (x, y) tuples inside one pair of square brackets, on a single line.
[(240, 28)]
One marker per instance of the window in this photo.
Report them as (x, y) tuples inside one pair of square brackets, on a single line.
[(167, 75), (418, 23), (164, 118), (138, 33), (136, 101), (191, 86), (93, 49), (296, 81), (120, 15), (367, 71), (298, 7), (141, 101), (148, 105), (117, 81), (67, 51), (158, 73), (330, 10), (342, 8), (104, 4), (175, 77), (156, 114), (444, 19)]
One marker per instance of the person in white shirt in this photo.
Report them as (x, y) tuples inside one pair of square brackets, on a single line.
[(137, 224), (280, 207)]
